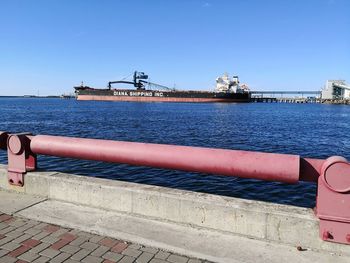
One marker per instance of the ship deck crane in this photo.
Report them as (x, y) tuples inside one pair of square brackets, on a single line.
[(139, 82), (156, 85)]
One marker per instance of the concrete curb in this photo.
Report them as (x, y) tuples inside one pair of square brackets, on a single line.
[(190, 241)]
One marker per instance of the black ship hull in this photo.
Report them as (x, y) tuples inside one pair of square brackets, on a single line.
[(87, 93)]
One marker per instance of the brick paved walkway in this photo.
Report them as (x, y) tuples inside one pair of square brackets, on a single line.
[(23, 240)]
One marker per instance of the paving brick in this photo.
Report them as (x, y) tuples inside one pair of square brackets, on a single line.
[(95, 238), (59, 232), (14, 234), (162, 255), (24, 228), (3, 225), (33, 222), (157, 260), (60, 258), (79, 241), (145, 257), (80, 254), (9, 221), (10, 246), (112, 256), (37, 242), (127, 259), (84, 234), (29, 256), (150, 250), (89, 246), (59, 244), (177, 259), (51, 228), (32, 231), (100, 251), (6, 230), (108, 242), (70, 249), (39, 247), (18, 223), (68, 236), (22, 238), (7, 259), (41, 260), (71, 261), (5, 217), (135, 246), (41, 235), (31, 243), (92, 259), (5, 240), (50, 240), (120, 247), (49, 252), (40, 226), (19, 251), (3, 252), (132, 252)]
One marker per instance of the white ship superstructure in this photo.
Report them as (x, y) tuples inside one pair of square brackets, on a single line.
[(227, 84)]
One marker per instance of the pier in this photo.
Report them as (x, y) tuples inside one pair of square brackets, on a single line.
[(286, 96), (194, 226), (298, 97)]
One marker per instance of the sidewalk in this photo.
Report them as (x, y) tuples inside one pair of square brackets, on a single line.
[(23, 240)]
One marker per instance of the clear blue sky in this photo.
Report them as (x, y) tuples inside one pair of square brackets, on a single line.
[(50, 46)]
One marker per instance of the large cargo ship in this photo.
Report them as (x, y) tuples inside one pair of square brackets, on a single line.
[(227, 90)]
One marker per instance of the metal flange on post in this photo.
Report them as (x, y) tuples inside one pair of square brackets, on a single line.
[(333, 200), (20, 158)]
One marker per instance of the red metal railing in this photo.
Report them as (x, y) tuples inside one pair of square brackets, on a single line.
[(332, 175), (264, 166)]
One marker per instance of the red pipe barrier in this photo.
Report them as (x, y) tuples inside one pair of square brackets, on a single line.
[(332, 175), (264, 166)]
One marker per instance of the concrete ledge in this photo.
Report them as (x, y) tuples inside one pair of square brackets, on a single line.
[(230, 216), (190, 241)]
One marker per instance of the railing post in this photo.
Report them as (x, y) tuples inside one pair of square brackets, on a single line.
[(20, 158), (333, 200)]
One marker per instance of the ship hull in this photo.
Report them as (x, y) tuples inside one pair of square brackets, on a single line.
[(159, 96)]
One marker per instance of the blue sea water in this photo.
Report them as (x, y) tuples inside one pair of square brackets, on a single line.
[(310, 130)]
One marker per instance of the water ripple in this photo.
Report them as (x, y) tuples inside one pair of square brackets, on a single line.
[(310, 130)]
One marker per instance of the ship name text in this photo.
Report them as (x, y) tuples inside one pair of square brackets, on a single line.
[(138, 93)]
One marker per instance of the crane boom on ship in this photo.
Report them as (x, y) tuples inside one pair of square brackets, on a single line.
[(139, 81)]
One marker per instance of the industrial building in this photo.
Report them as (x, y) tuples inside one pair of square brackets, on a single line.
[(336, 90)]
